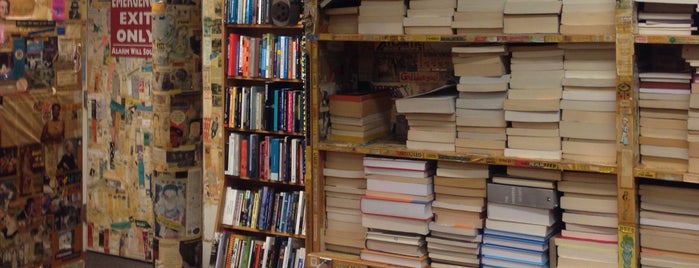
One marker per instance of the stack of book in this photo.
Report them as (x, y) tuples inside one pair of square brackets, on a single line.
[(397, 206), (664, 102), (690, 53), (673, 17), (531, 16), (344, 186), (483, 83), (431, 121), (669, 226), (592, 17), (381, 17), (459, 209), (533, 102), (591, 243), (429, 17), (588, 105), (522, 216), (359, 118), (478, 17), (342, 20)]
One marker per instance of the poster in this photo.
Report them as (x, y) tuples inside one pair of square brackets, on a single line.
[(177, 204), (130, 33)]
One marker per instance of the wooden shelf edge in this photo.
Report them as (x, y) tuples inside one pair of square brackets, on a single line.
[(262, 232), (233, 177), (509, 38), (399, 150), (666, 39), (264, 79), (665, 175)]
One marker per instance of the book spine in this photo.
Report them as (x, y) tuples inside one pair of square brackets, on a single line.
[(253, 155), (243, 157), (289, 111), (274, 159), (275, 121)]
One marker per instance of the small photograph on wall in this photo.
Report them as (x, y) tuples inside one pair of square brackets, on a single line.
[(31, 169), (9, 161), (8, 192), (68, 156), (5, 64)]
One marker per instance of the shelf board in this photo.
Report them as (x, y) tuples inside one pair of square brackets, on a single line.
[(396, 149), (266, 132), (265, 181), (265, 232), (263, 79), (666, 39), (264, 26), (666, 175), (527, 38)]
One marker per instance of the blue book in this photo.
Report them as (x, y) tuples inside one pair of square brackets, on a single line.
[(274, 159), (261, 215), (515, 242)]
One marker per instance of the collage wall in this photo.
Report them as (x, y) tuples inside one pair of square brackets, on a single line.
[(213, 81), (41, 140), (144, 127)]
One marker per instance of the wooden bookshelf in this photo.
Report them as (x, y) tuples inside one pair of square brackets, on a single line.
[(268, 84)]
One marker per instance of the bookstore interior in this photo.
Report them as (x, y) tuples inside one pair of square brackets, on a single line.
[(350, 133)]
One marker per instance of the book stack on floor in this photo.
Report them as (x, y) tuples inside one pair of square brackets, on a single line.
[(342, 20), (459, 209), (431, 120), (673, 17), (522, 216), (589, 204), (664, 92), (381, 17), (359, 118), (533, 102), (690, 53), (669, 226), (483, 83), (588, 105), (429, 17), (397, 209), (584, 17), (344, 186), (531, 16), (478, 17)]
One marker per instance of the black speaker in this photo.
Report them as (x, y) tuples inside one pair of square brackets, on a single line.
[(285, 12)]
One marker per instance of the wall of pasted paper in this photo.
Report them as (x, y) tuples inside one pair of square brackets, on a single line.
[(144, 176), (41, 141), (213, 81)]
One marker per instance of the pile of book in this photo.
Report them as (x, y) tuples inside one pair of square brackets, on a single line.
[(531, 16), (690, 53), (483, 83), (429, 17), (664, 101), (359, 118), (397, 209), (522, 216), (588, 105), (459, 208), (344, 186), (669, 228), (431, 120), (588, 17), (672, 17), (478, 16), (533, 102), (589, 238), (381, 17)]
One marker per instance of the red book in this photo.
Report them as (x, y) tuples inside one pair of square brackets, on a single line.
[(233, 41), (244, 158), (289, 111)]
